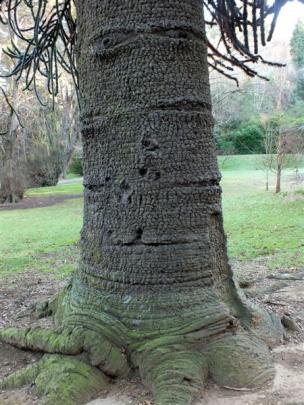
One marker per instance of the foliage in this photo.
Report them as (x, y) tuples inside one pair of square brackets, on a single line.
[(75, 166), (246, 139), (297, 45), (297, 52), (44, 166)]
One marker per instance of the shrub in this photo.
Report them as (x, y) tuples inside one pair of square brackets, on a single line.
[(75, 166)]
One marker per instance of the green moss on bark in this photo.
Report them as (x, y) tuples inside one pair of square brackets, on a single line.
[(60, 380)]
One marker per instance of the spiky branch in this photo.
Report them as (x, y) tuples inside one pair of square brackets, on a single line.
[(46, 41), (48, 37)]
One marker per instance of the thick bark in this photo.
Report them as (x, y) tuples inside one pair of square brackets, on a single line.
[(152, 245), (154, 288)]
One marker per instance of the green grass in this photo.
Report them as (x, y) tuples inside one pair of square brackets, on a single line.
[(258, 224), (73, 187), (240, 162), (41, 239), (261, 224)]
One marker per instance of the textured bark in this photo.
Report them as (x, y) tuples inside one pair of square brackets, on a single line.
[(154, 288), (152, 245)]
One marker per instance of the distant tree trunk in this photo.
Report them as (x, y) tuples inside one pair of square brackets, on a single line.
[(69, 128), (280, 161), (11, 179), (278, 179)]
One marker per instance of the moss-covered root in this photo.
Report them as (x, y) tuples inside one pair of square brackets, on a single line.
[(59, 380), (100, 352), (44, 340), (239, 361), (174, 373)]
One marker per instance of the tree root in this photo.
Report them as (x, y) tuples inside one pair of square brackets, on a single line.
[(99, 351), (59, 380), (174, 367), (174, 371), (239, 360), (52, 307)]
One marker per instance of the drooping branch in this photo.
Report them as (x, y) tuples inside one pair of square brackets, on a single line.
[(47, 37), (242, 30)]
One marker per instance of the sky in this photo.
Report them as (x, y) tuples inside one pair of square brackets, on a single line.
[(290, 14), (278, 49)]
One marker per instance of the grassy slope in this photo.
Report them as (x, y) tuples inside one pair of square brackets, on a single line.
[(258, 224)]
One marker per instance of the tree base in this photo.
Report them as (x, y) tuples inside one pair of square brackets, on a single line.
[(174, 367)]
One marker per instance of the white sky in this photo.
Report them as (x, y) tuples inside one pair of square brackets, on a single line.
[(290, 14)]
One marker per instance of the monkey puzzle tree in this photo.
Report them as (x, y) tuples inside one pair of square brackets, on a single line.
[(154, 291)]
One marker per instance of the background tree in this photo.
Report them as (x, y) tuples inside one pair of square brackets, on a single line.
[(297, 52), (154, 290), (37, 140), (269, 140)]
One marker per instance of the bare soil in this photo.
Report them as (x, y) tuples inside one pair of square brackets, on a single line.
[(38, 202), (282, 291)]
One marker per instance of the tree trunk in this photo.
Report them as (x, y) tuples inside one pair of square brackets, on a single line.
[(154, 261), (278, 180), (280, 159), (267, 180), (12, 182), (154, 287)]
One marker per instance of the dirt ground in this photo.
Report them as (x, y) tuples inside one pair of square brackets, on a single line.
[(282, 291), (38, 202)]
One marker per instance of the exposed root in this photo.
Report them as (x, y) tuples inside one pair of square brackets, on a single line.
[(174, 373), (239, 360), (175, 367), (44, 340), (59, 380), (267, 326), (100, 352), (49, 307)]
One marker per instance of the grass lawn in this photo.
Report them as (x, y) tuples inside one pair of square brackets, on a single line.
[(258, 224), (42, 239), (72, 186)]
